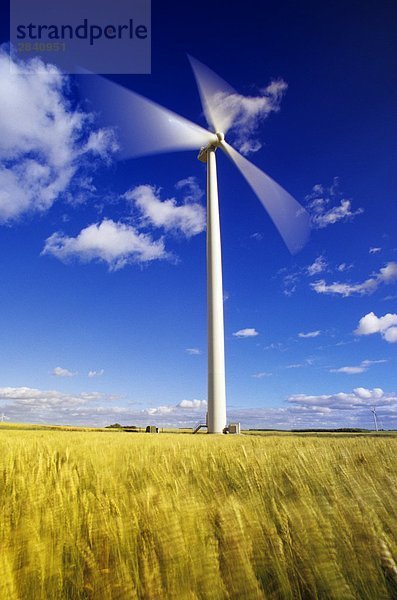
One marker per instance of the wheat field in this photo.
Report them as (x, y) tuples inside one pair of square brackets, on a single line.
[(116, 515)]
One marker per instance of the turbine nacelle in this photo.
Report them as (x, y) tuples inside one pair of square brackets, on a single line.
[(219, 138)]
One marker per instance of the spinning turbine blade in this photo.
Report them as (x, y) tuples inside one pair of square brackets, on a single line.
[(290, 218), (142, 126), (213, 91)]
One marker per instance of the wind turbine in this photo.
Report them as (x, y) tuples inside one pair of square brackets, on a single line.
[(144, 127), (373, 411)]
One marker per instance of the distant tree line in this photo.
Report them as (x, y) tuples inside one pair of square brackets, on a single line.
[(118, 426), (340, 430)]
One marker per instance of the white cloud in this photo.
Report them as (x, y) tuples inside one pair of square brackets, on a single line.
[(196, 404), (324, 411), (246, 113), (44, 142), (386, 274), (40, 399), (247, 146), (319, 265), (185, 406), (93, 409), (193, 192), (360, 397), (290, 283), (102, 142), (370, 323), (344, 267), (307, 363), (276, 346), (310, 334), (193, 351), (386, 326), (60, 372), (374, 250), (160, 410), (361, 368), (262, 374), (322, 209), (322, 218), (116, 244), (291, 280), (375, 394), (96, 373), (188, 218), (349, 370), (390, 335), (369, 363), (248, 332), (30, 405)]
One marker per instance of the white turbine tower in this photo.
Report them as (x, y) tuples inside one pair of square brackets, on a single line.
[(144, 128)]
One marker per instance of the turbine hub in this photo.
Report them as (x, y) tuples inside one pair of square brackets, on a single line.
[(219, 138)]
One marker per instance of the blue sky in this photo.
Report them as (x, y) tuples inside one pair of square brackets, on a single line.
[(102, 291)]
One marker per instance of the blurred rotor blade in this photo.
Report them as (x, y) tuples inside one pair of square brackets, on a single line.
[(213, 90), (290, 218), (142, 126)]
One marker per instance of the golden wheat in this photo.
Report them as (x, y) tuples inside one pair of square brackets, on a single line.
[(89, 515)]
